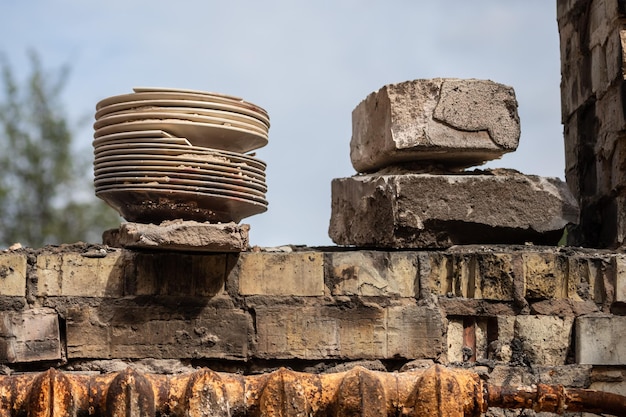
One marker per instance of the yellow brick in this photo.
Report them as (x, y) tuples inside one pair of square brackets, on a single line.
[(372, 273), (72, 274), (13, 269), (49, 274), (264, 273)]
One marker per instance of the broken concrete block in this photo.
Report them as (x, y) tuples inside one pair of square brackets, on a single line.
[(180, 235), (429, 211), (454, 122)]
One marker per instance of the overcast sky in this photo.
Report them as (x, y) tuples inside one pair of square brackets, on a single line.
[(308, 63)]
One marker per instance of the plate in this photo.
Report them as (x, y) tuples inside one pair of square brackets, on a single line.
[(209, 182), (184, 90), (216, 176), (178, 95), (181, 104), (97, 143), (122, 150), (177, 143), (149, 205), (182, 153), (199, 134), (189, 112), (123, 117), (168, 168), (197, 189)]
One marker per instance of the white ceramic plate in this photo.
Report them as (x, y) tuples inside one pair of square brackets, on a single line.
[(180, 95), (176, 164), (130, 116), (199, 134), (182, 171), (184, 90), (181, 104), (168, 149), (196, 189), (212, 183), (99, 146), (179, 152), (217, 176), (190, 113)]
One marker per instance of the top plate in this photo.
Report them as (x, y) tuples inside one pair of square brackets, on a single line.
[(163, 94)]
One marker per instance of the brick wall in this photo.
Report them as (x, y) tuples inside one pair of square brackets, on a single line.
[(523, 313)]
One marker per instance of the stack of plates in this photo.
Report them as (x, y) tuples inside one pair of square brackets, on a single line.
[(164, 154)]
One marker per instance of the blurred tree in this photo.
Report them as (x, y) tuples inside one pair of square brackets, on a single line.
[(45, 192)]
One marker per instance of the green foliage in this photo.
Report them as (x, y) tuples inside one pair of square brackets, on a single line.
[(45, 193)]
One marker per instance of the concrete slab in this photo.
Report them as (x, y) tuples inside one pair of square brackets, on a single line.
[(437, 211)]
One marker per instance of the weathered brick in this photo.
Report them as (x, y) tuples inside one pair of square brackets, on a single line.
[(87, 334), (414, 332), (545, 275), (486, 276), (72, 274), (162, 332), (599, 340), (372, 273), (13, 269), (29, 336), (177, 274), (320, 332), (363, 332), (268, 273), (545, 339), (496, 275)]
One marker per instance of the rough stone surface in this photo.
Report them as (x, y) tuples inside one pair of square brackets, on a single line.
[(30, 336), (599, 340), (13, 274), (426, 211), (180, 236), (454, 122)]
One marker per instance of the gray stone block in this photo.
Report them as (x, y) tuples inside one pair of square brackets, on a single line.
[(454, 122), (599, 340), (424, 210)]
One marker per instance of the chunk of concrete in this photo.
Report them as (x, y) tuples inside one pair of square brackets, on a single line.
[(438, 211), (180, 235), (457, 123)]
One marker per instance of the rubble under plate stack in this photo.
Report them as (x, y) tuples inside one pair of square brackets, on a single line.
[(411, 143)]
